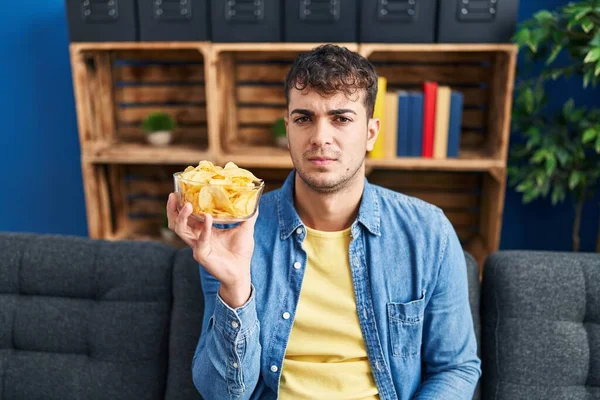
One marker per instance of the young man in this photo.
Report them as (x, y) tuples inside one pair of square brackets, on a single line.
[(340, 289)]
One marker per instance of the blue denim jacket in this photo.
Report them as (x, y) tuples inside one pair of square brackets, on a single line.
[(410, 284)]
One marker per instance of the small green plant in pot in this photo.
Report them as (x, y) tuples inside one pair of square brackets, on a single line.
[(558, 151), (158, 127), (279, 133)]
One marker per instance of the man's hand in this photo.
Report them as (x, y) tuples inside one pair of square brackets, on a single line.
[(224, 253)]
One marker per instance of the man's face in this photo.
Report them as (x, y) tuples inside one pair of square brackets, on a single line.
[(328, 138)]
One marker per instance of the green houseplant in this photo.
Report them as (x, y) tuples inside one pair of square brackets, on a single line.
[(159, 127), (279, 133), (558, 152)]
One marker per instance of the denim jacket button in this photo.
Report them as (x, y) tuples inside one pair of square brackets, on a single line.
[(286, 315), (234, 324), (297, 265), (299, 231), (274, 368)]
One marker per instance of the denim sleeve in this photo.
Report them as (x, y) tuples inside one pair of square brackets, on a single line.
[(226, 364), (451, 366)]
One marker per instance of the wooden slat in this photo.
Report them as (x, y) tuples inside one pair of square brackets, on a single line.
[(442, 181), (159, 55), (492, 210), (150, 188), (138, 153), (117, 190), (443, 74), (261, 72), (255, 136), (259, 115), (474, 118), (82, 98), (472, 139), (182, 114), (462, 218), (160, 73), (188, 134), (106, 101), (95, 217), (446, 199), (147, 206), (160, 94), (260, 94)]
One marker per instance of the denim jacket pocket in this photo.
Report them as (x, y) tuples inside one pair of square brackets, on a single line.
[(406, 327)]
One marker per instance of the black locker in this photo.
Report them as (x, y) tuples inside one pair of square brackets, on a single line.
[(477, 21), (246, 20), (102, 20), (398, 21), (321, 21), (173, 20)]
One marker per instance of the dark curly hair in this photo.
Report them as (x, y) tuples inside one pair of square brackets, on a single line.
[(330, 69)]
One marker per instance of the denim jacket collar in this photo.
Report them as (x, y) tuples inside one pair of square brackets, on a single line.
[(289, 221)]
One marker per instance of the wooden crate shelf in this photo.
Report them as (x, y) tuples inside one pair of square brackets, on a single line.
[(137, 153), (225, 96)]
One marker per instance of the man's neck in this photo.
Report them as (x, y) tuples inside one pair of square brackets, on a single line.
[(328, 212)]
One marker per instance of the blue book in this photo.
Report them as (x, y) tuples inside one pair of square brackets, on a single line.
[(416, 125), (402, 147), (455, 123)]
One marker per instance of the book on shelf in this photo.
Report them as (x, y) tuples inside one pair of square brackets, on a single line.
[(379, 112), (418, 123)]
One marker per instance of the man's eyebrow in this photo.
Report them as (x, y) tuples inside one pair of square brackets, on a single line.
[(302, 111), (341, 111)]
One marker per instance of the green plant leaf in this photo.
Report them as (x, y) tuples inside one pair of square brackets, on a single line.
[(557, 49), (597, 71), (550, 164), (589, 135), (558, 194), (562, 155), (598, 144), (587, 25), (587, 78), (522, 36), (596, 39), (568, 108), (543, 16), (593, 55), (574, 179)]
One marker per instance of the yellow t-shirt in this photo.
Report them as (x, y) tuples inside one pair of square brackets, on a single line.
[(326, 357)]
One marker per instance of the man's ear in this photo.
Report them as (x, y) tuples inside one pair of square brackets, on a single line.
[(372, 132)]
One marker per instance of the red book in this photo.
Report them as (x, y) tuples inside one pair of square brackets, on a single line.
[(429, 100)]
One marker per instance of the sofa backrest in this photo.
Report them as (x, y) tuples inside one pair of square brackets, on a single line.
[(85, 319), (541, 326)]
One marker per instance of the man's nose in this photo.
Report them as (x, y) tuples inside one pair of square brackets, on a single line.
[(322, 134)]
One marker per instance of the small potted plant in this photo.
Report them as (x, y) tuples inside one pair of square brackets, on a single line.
[(279, 133), (159, 127)]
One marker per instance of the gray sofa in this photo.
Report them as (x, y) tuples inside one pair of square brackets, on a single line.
[(88, 319)]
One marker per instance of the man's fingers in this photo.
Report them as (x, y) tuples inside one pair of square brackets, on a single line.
[(172, 210), (202, 248), (181, 223)]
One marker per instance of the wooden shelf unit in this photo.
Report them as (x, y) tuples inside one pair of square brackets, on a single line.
[(225, 97)]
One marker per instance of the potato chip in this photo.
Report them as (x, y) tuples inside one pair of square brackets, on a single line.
[(227, 193)]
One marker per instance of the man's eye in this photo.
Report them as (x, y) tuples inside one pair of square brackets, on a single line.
[(301, 119), (343, 119)]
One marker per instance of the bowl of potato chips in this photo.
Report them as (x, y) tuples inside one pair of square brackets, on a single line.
[(230, 193)]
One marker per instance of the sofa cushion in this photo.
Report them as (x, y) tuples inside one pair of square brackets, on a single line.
[(541, 326), (82, 319), (186, 325)]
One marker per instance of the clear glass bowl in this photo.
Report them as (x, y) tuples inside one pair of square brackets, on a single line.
[(226, 203)]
